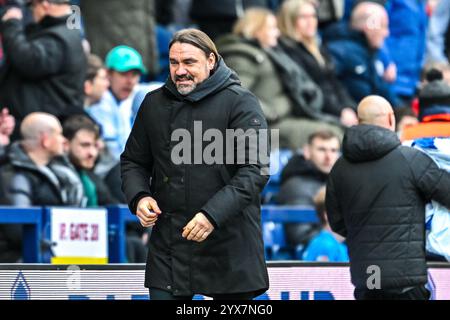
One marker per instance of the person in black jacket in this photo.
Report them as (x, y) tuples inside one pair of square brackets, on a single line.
[(44, 67), (207, 235), (376, 196), (298, 22), (36, 174), (303, 176)]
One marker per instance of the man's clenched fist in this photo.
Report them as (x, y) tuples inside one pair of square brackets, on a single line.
[(147, 211)]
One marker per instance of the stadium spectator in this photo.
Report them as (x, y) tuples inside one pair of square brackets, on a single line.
[(291, 101), (434, 110), (302, 177), (376, 196), (438, 33), (205, 240), (407, 30), (326, 246), (110, 23), (45, 65), (306, 173), (218, 19), (82, 135), (355, 49), (113, 111), (443, 67), (404, 118), (7, 124), (36, 172), (36, 175), (96, 82), (9, 246), (298, 24)]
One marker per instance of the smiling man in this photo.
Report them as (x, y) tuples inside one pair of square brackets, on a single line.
[(113, 111), (206, 236)]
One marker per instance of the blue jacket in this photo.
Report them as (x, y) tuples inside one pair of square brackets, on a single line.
[(324, 247), (437, 217), (357, 66), (407, 28)]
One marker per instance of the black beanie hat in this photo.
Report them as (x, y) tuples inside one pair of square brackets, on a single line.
[(435, 92)]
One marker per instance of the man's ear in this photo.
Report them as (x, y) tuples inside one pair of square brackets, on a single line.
[(211, 61), (43, 140), (87, 87), (392, 122)]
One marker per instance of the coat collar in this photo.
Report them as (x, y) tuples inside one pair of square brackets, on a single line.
[(220, 79)]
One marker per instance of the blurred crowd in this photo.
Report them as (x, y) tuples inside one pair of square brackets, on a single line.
[(73, 75)]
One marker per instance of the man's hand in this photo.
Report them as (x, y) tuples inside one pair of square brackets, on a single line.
[(13, 13), (147, 211), (198, 229)]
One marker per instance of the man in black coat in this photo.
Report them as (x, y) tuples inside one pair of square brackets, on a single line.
[(303, 176), (376, 196), (207, 235), (45, 64)]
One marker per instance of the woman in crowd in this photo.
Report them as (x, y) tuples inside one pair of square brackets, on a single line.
[(298, 24), (291, 101)]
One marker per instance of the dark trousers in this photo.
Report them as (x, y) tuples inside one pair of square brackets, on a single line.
[(416, 293), (159, 294)]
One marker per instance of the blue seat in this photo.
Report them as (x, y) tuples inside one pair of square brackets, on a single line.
[(278, 160), (275, 241)]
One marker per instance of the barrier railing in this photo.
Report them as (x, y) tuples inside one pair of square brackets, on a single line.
[(118, 217), (31, 218)]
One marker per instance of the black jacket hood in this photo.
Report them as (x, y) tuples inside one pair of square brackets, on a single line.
[(299, 166), (221, 78), (368, 142)]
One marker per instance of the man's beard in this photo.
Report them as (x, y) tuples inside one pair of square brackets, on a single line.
[(184, 89)]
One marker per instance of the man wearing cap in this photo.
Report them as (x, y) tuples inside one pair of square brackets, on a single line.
[(434, 109), (45, 64), (113, 111)]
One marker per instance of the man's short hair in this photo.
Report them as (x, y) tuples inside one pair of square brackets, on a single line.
[(323, 135), (79, 122), (196, 38), (94, 64)]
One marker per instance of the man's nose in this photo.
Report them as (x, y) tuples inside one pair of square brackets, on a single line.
[(93, 152), (181, 70)]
